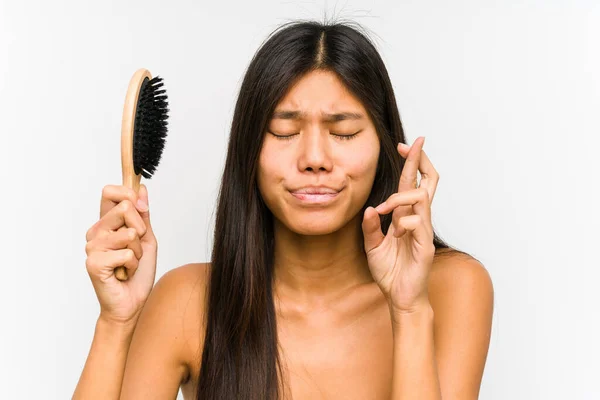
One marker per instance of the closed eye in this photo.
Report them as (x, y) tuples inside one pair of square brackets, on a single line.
[(345, 137), (283, 137), (340, 136)]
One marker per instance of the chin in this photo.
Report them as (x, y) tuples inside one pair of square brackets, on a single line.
[(314, 225)]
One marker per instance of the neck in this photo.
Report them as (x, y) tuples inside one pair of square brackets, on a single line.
[(312, 271)]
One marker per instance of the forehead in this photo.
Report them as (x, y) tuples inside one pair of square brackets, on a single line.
[(320, 95)]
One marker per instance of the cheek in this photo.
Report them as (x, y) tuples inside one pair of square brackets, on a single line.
[(361, 164), (269, 163), (270, 170)]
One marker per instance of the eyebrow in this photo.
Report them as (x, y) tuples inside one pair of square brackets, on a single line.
[(297, 115)]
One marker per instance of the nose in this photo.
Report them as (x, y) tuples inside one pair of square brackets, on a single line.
[(315, 151)]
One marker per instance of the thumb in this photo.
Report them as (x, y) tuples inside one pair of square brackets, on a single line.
[(143, 205), (371, 227)]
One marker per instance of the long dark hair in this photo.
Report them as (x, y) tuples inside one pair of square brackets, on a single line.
[(240, 358)]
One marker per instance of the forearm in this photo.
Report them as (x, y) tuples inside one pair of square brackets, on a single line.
[(102, 374), (415, 372)]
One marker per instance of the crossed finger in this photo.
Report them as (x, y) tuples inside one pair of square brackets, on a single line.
[(417, 200), (417, 160)]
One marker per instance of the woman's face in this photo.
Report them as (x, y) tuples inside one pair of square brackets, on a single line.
[(312, 155)]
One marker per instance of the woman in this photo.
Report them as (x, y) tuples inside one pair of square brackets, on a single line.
[(326, 279)]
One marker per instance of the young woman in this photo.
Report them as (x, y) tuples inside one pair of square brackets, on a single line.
[(326, 280)]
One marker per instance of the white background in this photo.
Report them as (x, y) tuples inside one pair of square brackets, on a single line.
[(506, 93)]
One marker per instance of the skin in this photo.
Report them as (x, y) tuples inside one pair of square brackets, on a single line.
[(334, 323), (318, 250)]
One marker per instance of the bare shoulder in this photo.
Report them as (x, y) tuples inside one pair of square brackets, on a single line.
[(187, 285), (461, 294), (186, 279), (166, 336), (183, 291), (460, 285), (452, 269)]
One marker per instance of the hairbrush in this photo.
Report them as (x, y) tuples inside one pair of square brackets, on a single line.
[(143, 133)]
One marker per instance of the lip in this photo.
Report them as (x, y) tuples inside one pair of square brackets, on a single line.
[(315, 195), (315, 190)]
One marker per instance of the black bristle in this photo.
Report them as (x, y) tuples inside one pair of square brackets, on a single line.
[(150, 127)]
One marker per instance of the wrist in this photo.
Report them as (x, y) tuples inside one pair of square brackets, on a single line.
[(115, 331), (421, 313), (419, 304)]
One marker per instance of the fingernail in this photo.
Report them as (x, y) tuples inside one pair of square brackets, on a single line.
[(404, 146)]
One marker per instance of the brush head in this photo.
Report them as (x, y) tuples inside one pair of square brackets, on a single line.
[(150, 127)]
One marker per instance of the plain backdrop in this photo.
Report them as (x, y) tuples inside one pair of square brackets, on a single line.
[(505, 92)]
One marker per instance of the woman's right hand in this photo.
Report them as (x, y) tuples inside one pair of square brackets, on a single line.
[(122, 236)]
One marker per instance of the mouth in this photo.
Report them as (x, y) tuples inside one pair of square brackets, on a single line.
[(316, 197)]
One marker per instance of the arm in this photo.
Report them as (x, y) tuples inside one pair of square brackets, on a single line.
[(440, 351), (160, 354), (149, 360), (103, 371), (415, 374)]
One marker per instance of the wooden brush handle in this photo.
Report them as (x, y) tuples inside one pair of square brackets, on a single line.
[(130, 179)]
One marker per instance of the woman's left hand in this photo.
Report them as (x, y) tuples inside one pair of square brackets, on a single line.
[(400, 261)]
